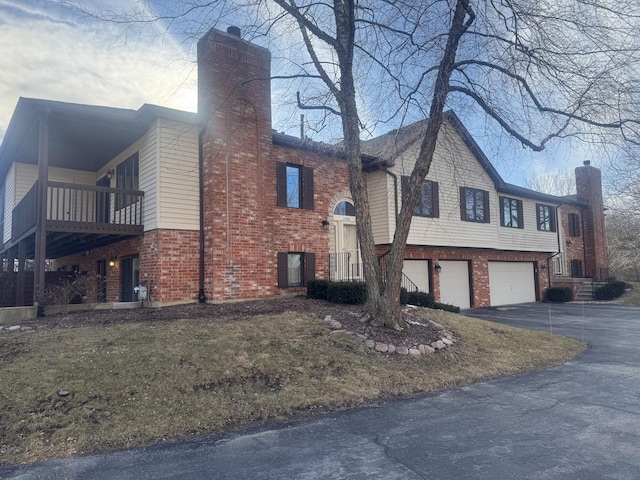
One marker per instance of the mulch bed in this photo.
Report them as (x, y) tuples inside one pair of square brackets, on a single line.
[(347, 315)]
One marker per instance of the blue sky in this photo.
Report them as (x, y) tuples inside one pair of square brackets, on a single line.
[(51, 53)]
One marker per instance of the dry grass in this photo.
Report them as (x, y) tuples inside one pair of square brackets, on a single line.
[(632, 298), (136, 384)]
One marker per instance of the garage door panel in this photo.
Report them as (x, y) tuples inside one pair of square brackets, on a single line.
[(418, 273), (511, 282), (454, 283)]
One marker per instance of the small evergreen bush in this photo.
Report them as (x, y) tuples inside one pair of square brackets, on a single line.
[(317, 289), (446, 307), (421, 299), (558, 294), (346, 292), (610, 291), (404, 296)]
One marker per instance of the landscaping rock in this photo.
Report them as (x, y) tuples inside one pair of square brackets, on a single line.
[(14, 328), (447, 342), (382, 347), (392, 348), (414, 351), (421, 348), (439, 345), (428, 350), (370, 343), (402, 350), (327, 318)]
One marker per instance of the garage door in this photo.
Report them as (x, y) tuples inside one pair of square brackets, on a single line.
[(418, 273), (511, 282), (454, 283)]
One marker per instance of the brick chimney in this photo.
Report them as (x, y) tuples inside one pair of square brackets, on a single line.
[(234, 95), (589, 189)]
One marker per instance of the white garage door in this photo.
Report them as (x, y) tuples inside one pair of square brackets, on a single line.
[(418, 272), (454, 283), (511, 282)]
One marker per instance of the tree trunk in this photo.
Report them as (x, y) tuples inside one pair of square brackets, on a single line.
[(389, 312)]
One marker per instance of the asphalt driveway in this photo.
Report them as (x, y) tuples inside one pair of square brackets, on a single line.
[(577, 421)]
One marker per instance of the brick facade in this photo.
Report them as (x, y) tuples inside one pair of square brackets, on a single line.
[(479, 267), (243, 226), (168, 262), (589, 189)]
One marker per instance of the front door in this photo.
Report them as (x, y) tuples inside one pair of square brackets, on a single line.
[(348, 262), (130, 278)]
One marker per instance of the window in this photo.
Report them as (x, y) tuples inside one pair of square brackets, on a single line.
[(295, 269), (546, 218), (574, 225), (511, 213), (127, 178), (345, 208), (428, 203), (474, 205), (295, 186)]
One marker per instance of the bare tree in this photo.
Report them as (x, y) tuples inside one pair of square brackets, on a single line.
[(558, 182), (540, 70)]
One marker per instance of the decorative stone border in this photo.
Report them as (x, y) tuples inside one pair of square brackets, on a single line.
[(446, 341), (16, 328)]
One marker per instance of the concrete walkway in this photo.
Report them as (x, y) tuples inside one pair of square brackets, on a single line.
[(577, 421)]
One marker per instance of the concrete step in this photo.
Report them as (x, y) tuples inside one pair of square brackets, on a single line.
[(586, 290)]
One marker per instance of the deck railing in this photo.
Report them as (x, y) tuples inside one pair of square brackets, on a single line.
[(81, 208)]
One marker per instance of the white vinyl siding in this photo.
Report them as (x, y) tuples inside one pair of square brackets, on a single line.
[(179, 199), (9, 202), (382, 205), (146, 148), (455, 166)]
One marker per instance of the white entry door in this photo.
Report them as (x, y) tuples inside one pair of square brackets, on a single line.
[(454, 283), (511, 282)]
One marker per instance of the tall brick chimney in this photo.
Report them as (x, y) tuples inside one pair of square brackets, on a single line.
[(589, 189), (234, 95)]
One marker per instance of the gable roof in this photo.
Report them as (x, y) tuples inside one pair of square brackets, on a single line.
[(83, 137), (392, 144)]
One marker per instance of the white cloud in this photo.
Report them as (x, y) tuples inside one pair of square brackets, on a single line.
[(50, 54)]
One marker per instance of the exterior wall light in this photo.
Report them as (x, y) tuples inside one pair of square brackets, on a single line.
[(438, 267), (112, 261), (325, 224), (110, 173)]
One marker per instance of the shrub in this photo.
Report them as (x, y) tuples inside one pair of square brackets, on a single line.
[(610, 290), (558, 294), (404, 296), (317, 289), (421, 299), (346, 292), (446, 307)]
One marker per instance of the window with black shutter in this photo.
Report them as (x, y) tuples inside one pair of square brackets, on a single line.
[(574, 225), (474, 205), (295, 186), (295, 269), (428, 204)]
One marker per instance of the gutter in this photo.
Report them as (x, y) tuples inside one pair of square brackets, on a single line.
[(395, 187), (201, 296)]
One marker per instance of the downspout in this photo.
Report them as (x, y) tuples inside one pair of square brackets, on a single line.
[(201, 296), (395, 187)]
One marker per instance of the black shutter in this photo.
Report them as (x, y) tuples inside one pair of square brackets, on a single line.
[(282, 270), (307, 196), (487, 216), (309, 267), (501, 200), (520, 215), (435, 199), (463, 204), (281, 182)]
